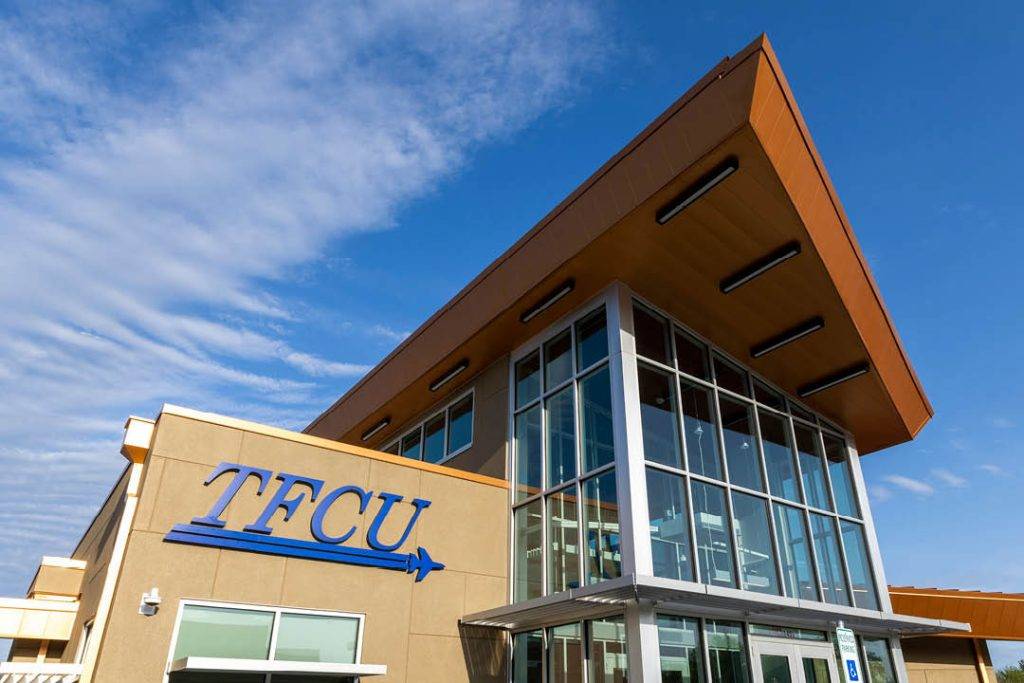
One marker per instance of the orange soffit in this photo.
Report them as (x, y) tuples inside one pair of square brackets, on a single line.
[(992, 616)]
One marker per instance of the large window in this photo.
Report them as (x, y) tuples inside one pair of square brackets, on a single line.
[(441, 436), (746, 488), (565, 507), (592, 651), (264, 633)]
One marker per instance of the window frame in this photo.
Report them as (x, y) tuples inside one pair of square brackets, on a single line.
[(419, 426), (277, 611), (602, 303), (792, 416)]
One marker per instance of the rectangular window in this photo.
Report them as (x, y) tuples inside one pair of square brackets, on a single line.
[(812, 467), (765, 395), (700, 432), (651, 334), (741, 454), (714, 540), (411, 445), (878, 660), (830, 565), (460, 425), (797, 572), (727, 652), (223, 632), (563, 541), (528, 379), (596, 419), (528, 523), (778, 456), (601, 525), (591, 340), (839, 473), (528, 455), (558, 360), (754, 544), (565, 654), (527, 657), (679, 650), (691, 356), (606, 651), (730, 377), (561, 439), (658, 419), (316, 638), (245, 633), (670, 525), (433, 439), (859, 566)]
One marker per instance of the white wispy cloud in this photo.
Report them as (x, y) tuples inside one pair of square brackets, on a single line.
[(154, 193), (992, 469), (1000, 422), (908, 484), (948, 478), (879, 493)]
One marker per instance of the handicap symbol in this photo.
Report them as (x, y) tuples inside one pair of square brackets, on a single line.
[(851, 668)]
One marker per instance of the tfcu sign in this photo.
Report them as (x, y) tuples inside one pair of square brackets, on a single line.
[(289, 495)]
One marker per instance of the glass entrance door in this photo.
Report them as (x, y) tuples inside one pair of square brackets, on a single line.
[(779, 661)]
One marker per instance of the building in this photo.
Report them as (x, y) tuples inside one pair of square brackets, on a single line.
[(957, 656), (628, 450)]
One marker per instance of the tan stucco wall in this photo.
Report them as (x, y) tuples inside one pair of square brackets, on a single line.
[(411, 627), (94, 549), (487, 455), (944, 660)]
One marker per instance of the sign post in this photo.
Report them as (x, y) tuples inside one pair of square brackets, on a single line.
[(847, 641)]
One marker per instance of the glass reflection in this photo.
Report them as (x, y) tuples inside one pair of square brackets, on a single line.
[(528, 457), (607, 651), (741, 454), (596, 419), (797, 572), (730, 377), (433, 439), (601, 525), (528, 554), (812, 467), (699, 431), (830, 565), (527, 654), (565, 654), (651, 334), (714, 540), (658, 419), (879, 660), (691, 356), (839, 473), (727, 652), (670, 525), (563, 542), (754, 543), (864, 594), (778, 456), (557, 360), (591, 340), (679, 650), (561, 439), (528, 379)]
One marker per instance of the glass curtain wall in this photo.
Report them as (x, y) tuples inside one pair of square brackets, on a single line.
[(745, 488), (565, 503), (593, 651)]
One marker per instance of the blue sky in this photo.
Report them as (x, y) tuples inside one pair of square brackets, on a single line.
[(241, 209)]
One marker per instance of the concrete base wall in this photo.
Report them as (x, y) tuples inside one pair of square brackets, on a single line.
[(945, 660)]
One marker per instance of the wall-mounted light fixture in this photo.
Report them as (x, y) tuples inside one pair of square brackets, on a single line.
[(368, 434), (450, 375), (759, 267), (549, 300), (831, 380), (150, 602), (697, 190), (791, 335)]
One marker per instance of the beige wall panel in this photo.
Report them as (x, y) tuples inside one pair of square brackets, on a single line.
[(445, 659), (940, 660), (485, 592), (478, 542), (249, 577), (438, 603), (53, 580), (135, 647), (184, 439)]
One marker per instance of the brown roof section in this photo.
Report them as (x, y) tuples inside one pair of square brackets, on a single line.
[(992, 616), (606, 231)]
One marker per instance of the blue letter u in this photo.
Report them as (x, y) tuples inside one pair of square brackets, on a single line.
[(389, 500)]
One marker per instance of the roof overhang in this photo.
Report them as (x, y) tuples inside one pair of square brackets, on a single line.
[(608, 230), (992, 616), (712, 601)]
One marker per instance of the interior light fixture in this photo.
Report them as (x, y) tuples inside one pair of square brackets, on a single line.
[(831, 380), (759, 267), (368, 434), (791, 335), (548, 301), (697, 190), (450, 375)]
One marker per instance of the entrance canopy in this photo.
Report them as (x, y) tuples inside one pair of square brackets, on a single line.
[(713, 601)]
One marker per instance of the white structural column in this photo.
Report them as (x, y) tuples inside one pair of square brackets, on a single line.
[(631, 482), (874, 553)]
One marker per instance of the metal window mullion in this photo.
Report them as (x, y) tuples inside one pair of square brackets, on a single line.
[(692, 525), (272, 655), (544, 550), (812, 548), (771, 512), (828, 475), (843, 561), (705, 647), (724, 462)]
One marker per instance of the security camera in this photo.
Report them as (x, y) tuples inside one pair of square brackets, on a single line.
[(150, 602)]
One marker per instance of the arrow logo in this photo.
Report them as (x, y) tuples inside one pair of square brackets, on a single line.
[(419, 562)]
